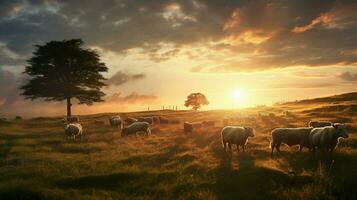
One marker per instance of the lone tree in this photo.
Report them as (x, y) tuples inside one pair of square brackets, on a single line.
[(196, 100), (62, 70)]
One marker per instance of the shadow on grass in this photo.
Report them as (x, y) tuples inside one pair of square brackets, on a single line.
[(250, 181), (335, 172), (106, 182), (21, 194), (77, 149)]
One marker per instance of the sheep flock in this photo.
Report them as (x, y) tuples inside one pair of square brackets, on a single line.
[(320, 135)]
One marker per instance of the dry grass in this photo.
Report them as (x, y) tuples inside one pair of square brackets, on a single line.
[(37, 162)]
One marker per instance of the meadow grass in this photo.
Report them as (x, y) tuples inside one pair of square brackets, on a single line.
[(38, 162)]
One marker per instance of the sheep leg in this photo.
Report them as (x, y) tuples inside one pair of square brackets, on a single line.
[(278, 148), (300, 148), (237, 147), (230, 147), (272, 146), (243, 146), (148, 132), (225, 146)]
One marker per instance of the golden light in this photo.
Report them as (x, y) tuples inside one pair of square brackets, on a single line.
[(238, 95)]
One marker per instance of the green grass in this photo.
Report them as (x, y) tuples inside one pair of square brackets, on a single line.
[(38, 162)]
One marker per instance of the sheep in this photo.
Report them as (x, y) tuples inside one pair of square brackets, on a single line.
[(116, 121), (18, 118), (73, 130), (316, 124), (146, 119), (3, 119), (130, 120), (290, 136), (237, 135), (326, 138), (136, 127), (156, 119), (163, 120)]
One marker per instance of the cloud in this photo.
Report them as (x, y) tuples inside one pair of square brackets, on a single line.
[(299, 85), (310, 74), (265, 34), (322, 19), (348, 76), (121, 78), (133, 98)]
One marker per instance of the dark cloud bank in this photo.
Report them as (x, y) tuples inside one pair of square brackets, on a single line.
[(282, 33)]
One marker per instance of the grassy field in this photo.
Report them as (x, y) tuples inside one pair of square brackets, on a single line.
[(37, 162)]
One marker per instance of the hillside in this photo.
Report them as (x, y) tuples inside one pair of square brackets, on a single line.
[(37, 162)]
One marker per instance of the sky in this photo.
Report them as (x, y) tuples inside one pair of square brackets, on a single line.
[(239, 53)]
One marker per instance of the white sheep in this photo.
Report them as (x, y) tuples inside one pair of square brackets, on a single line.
[(146, 119), (236, 135), (116, 121), (326, 138), (290, 136), (316, 124), (73, 130), (130, 120), (136, 127)]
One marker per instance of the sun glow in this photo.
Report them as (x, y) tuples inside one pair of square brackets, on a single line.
[(238, 98), (238, 95)]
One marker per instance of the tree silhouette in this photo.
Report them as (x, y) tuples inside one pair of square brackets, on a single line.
[(196, 100), (62, 70)]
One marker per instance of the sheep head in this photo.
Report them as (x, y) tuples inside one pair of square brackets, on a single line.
[(341, 130), (249, 131)]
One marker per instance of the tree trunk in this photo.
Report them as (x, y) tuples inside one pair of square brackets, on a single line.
[(69, 113)]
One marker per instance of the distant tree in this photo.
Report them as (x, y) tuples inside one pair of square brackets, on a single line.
[(196, 100), (62, 70)]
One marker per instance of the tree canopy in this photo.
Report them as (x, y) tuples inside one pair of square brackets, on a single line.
[(62, 70), (196, 100)]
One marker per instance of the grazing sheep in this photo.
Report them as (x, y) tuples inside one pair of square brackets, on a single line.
[(3, 119), (18, 118), (130, 120), (73, 130), (316, 124), (156, 119), (209, 123), (326, 138), (72, 119), (290, 136), (136, 127), (146, 119), (163, 120), (116, 121), (237, 135), (99, 122)]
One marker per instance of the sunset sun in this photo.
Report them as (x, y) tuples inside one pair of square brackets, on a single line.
[(238, 95)]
